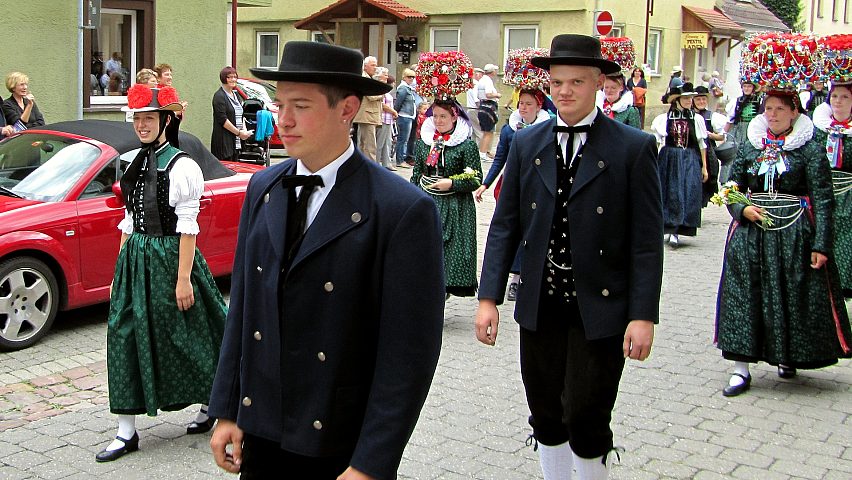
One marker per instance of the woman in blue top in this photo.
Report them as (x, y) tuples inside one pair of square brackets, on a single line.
[(529, 112)]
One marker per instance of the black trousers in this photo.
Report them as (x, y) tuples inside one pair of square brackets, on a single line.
[(264, 459), (571, 383)]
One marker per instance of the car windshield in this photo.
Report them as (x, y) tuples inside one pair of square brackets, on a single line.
[(43, 167)]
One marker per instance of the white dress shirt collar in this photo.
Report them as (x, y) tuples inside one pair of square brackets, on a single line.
[(580, 138), (328, 174)]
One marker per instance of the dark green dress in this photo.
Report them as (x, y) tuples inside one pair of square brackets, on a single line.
[(630, 116), (157, 356), (457, 207), (842, 181), (772, 305)]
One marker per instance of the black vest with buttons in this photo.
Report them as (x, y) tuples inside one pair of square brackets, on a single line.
[(558, 285), (166, 157)]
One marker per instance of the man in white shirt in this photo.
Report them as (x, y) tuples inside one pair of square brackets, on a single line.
[(487, 114), (473, 107)]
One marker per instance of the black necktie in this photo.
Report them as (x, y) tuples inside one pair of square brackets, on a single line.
[(298, 214), (569, 146)]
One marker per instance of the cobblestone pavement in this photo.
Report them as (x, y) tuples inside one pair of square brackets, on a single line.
[(670, 418)]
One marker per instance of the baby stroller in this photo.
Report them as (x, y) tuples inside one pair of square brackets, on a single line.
[(256, 118)]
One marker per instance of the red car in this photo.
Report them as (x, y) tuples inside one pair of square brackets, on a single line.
[(60, 205)]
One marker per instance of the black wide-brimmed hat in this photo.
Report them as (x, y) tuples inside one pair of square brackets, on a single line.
[(571, 49), (701, 91), (315, 62), (685, 90)]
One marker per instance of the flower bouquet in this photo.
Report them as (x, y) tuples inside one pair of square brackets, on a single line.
[(730, 194), (468, 174)]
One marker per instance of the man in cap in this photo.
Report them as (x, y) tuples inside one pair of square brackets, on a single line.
[(334, 327), (472, 106), (487, 96), (581, 195)]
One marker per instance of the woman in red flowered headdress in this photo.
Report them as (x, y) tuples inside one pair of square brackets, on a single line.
[(166, 317)]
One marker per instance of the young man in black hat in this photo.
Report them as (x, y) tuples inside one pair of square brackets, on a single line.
[(581, 196), (334, 327)]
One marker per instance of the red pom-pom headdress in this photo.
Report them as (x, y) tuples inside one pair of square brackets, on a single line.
[(141, 98), (443, 75), (619, 50), (520, 73), (781, 61), (837, 58)]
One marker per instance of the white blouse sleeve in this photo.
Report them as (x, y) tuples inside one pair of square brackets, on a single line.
[(700, 131), (126, 225), (658, 127), (186, 184)]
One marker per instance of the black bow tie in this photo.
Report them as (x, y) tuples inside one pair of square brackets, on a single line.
[(576, 129), (293, 181)]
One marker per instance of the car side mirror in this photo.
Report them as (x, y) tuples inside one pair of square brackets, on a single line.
[(118, 198)]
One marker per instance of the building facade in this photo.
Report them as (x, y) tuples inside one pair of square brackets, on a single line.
[(826, 17)]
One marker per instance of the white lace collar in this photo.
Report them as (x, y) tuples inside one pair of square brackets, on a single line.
[(515, 118), (459, 135), (803, 131), (823, 119), (620, 105)]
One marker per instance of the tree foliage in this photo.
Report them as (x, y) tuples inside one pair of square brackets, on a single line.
[(787, 10)]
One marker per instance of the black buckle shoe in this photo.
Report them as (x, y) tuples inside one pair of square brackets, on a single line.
[(786, 372), (734, 390), (203, 427), (129, 446), (512, 295)]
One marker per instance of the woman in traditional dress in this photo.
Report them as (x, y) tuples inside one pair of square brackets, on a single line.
[(529, 112), (833, 135), (714, 123), (682, 164), (742, 111), (166, 317), (780, 298), (618, 102), (447, 166)]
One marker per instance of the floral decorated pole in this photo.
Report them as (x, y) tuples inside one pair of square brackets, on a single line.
[(443, 75), (522, 74), (619, 50)]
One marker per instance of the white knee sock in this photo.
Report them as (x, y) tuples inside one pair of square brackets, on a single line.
[(202, 415), (126, 430), (742, 369), (592, 468), (516, 277), (556, 461)]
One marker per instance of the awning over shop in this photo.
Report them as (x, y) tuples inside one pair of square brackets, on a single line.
[(712, 22), (362, 11)]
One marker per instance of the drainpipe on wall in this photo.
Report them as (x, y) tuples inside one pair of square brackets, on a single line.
[(79, 106), (234, 33)]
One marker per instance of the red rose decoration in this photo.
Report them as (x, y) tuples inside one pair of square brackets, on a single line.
[(139, 96), (443, 79)]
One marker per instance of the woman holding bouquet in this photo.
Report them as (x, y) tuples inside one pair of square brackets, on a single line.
[(682, 164), (446, 164), (780, 298)]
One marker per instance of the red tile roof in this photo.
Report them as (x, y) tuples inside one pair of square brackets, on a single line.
[(717, 21), (345, 8)]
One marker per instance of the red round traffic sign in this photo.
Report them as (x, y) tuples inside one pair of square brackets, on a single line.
[(603, 22)]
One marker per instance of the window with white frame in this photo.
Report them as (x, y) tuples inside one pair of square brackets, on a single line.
[(267, 49), (617, 31), (653, 50), (114, 57), (519, 36), (318, 36), (444, 39)]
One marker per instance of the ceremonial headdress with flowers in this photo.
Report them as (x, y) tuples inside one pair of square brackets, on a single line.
[(522, 74), (619, 50), (141, 98), (781, 61), (837, 58), (443, 75)]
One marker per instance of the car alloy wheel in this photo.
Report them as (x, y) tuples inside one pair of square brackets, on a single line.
[(29, 301)]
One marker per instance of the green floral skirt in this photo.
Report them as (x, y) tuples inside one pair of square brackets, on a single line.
[(772, 305), (843, 227), (159, 358)]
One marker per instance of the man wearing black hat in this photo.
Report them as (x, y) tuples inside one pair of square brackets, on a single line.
[(581, 195), (334, 327)]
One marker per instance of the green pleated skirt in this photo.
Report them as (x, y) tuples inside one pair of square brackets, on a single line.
[(159, 358), (772, 305)]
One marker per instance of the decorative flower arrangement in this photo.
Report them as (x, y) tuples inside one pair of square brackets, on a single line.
[(468, 174), (139, 96), (619, 50), (837, 58), (443, 75), (730, 194), (781, 61), (520, 73)]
